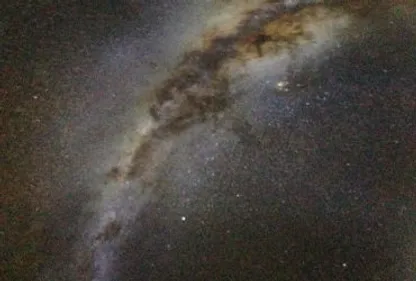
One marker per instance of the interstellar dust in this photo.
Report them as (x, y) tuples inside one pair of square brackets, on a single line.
[(199, 89)]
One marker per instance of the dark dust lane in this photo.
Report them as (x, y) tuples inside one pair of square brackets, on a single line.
[(327, 193), (201, 85)]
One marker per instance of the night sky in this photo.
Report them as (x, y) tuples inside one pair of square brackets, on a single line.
[(315, 184)]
